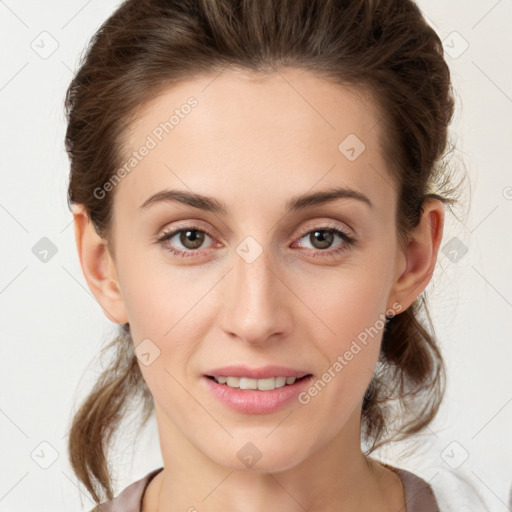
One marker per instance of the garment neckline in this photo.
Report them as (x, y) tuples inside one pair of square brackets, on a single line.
[(148, 479), (412, 486)]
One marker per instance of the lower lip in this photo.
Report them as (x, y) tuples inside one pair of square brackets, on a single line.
[(254, 401)]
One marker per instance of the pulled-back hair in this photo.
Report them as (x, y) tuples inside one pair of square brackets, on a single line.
[(382, 47)]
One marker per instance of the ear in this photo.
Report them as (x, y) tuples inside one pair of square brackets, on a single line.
[(418, 261), (98, 266)]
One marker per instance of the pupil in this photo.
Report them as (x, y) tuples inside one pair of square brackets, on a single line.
[(325, 240), (193, 236)]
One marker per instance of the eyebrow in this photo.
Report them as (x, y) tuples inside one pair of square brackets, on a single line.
[(296, 203)]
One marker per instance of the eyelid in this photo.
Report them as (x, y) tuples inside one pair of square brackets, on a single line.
[(188, 224), (196, 223), (348, 239), (327, 224)]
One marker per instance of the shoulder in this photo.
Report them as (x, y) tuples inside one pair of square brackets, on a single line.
[(445, 491), (419, 496), (130, 498)]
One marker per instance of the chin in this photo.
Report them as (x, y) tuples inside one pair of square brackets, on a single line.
[(257, 455)]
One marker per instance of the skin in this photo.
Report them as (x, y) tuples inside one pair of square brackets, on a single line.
[(254, 142)]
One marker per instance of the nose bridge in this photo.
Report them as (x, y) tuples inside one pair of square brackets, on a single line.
[(255, 311)]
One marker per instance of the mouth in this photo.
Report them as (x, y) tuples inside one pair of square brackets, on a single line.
[(247, 383), (249, 395)]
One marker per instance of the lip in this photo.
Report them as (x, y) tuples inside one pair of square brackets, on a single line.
[(256, 373), (253, 401)]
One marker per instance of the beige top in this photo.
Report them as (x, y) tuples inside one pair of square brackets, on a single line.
[(419, 496)]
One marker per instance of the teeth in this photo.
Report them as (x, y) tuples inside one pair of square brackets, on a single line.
[(261, 384)]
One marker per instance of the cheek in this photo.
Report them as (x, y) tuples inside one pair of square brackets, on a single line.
[(351, 305), (350, 352), (161, 313), (158, 297), (166, 315), (348, 302)]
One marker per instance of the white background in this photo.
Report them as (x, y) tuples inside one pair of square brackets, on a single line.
[(51, 326)]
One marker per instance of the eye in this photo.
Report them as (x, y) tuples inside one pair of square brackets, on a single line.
[(192, 238), (322, 238)]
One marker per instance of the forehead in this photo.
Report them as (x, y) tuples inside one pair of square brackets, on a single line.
[(286, 130)]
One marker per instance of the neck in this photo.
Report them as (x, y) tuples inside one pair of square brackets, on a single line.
[(335, 477)]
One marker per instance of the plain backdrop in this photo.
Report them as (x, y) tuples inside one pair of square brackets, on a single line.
[(52, 327)]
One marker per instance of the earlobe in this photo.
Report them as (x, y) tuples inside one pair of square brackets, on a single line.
[(98, 266), (420, 254)]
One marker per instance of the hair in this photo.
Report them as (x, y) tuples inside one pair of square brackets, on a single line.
[(382, 47)]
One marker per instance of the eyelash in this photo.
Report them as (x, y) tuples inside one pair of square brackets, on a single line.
[(347, 239)]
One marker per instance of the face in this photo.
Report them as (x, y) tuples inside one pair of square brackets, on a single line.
[(265, 279)]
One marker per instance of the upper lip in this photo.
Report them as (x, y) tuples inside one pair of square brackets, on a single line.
[(264, 372)]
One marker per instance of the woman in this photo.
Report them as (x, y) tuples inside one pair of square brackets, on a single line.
[(258, 191)]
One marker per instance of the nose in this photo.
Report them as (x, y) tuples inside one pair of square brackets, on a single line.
[(257, 301)]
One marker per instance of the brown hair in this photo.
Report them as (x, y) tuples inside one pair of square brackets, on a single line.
[(384, 47)]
